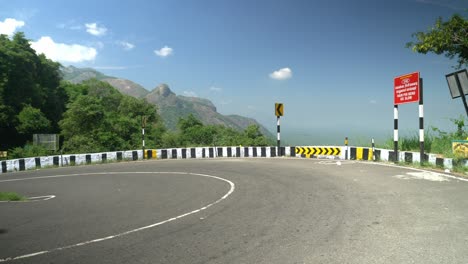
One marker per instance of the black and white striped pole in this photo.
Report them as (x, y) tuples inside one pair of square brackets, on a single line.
[(279, 111), (143, 125), (373, 150), (278, 129), (421, 122), (395, 132)]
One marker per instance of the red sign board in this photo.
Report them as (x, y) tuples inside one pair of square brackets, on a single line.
[(406, 88)]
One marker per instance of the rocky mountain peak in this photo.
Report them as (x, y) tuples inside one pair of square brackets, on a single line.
[(163, 90)]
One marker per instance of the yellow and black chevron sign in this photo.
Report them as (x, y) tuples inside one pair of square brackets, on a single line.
[(308, 151)]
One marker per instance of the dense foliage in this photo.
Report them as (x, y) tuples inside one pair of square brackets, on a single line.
[(91, 116), (445, 37), (31, 98)]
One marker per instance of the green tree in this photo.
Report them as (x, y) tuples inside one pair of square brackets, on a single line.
[(32, 120), (26, 79), (102, 119), (445, 37)]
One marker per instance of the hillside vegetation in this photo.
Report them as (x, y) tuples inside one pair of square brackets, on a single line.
[(91, 115)]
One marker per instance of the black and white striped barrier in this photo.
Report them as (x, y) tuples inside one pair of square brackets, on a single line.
[(356, 153)]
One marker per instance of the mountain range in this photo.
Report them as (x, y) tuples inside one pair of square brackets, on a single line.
[(171, 107)]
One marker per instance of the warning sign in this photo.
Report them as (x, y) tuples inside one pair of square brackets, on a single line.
[(406, 88)]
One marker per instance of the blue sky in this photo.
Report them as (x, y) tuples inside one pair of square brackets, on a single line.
[(334, 60)]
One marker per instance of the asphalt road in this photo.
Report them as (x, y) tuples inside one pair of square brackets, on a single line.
[(258, 211)]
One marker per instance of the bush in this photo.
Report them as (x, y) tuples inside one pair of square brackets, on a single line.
[(28, 151)]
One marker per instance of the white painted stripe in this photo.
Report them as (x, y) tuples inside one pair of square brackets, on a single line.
[(278, 136), (395, 112), (421, 110), (421, 135), (231, 190), (395, 135), (143, 131)]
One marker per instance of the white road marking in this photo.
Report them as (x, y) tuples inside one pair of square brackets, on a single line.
[(414, 169), (41, 198), (429, 176), (231, 190)]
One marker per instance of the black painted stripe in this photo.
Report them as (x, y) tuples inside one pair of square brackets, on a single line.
[(395, 123), (73, 159), (238, 152), (440, 162), (408, 157), (246, 152), (184, 153), (22, 165), (55, 160), (174, 153), (88, 159), (293, 151), (38, 162), (365, 154), (377, 154), (4, 167), (272, 151), (104, 157), (193, 153), (134, 155), (421, 123), (263, 149), (203, 153), (119, 156), (220, 152), (164, 154), (211, 152), (254, 152), (391, 156), (353, 154)]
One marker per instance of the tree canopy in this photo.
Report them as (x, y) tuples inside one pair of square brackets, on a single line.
[(445, 37), (29, 88)]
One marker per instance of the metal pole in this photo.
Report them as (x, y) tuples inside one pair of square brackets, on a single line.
[(373, 150), (395, 133), (346, 144), (462, 95), (421, 123), (143, 136), (279, 134)]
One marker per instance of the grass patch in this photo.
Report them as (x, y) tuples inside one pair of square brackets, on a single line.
[(11, 196)]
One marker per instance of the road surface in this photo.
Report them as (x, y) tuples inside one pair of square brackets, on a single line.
[(275, 210)]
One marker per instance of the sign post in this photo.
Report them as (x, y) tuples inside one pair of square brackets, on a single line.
[(458, 85), (279, 110), (408, 89), (143, 125)]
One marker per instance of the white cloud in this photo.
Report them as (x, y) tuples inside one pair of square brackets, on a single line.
[(164, 52), (372, 101), (94, 29), (281, 74), (190, 94), (63, 52), (215, 89), (10, 25), (126, 45)]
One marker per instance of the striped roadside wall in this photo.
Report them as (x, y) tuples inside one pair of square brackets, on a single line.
[(355, 153)]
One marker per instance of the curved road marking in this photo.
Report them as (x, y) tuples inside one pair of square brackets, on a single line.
[(231, 190)]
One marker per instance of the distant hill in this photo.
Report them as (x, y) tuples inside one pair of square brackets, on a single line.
[(171, 106), (77, 75)]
